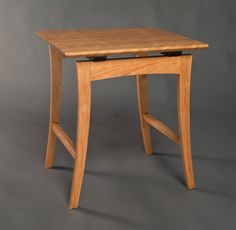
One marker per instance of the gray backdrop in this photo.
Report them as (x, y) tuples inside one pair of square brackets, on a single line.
[(123, 188)]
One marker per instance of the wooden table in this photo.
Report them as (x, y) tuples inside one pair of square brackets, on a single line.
[(96, 45)]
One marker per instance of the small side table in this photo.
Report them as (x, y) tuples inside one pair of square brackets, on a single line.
[(96, 45)]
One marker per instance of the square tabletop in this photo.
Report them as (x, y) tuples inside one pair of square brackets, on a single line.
[(98, 42)]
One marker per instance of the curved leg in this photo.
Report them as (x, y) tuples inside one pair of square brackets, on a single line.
[(143, 109), (83, 120), (183, 94), (55, 98)]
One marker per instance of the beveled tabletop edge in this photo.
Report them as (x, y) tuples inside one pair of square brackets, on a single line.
[(131, 51), (164, 48)]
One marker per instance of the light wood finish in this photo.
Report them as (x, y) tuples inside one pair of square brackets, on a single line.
[(134, 66), (83, 121), (183, 97), (143, 109), (88, 71), (161, 127), (135, 41), (55, 98), (64, 138), (93, 42)]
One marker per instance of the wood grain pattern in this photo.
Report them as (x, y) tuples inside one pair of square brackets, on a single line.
[(183, 96), (143, 109), (93, 42), (64, 138), (134, 66), (55, 99), (83, 121), (135, 41), (161, 127), (87, 72)]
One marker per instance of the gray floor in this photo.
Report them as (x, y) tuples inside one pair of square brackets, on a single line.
[(123, 188)]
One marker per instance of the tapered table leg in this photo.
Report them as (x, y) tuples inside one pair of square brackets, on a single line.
[(55, 98), (83, 121), (183, 94), (143, 109)]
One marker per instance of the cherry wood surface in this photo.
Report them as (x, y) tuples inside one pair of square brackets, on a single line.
[(95, 42), (88, 71), (140, 42)]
